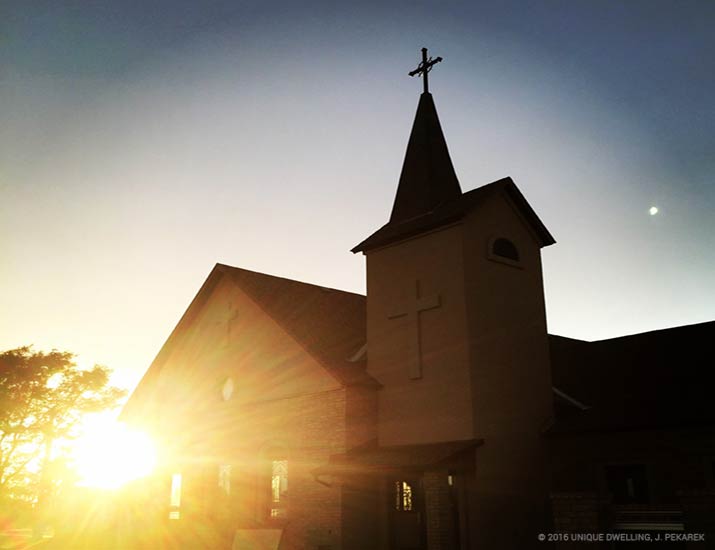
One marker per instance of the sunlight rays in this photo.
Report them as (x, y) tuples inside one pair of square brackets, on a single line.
[(109, 455)]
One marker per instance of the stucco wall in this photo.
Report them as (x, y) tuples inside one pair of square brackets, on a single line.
[(437, 406)]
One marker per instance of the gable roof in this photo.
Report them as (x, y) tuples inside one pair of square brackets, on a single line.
[(659, 379), (328, 324), (453, 210)]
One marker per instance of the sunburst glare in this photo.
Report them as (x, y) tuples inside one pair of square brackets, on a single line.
[(109, 455)]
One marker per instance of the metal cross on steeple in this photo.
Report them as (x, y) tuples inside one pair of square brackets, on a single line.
[(425, 67)]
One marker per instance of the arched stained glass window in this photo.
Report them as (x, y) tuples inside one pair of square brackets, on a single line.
[(279, 488)]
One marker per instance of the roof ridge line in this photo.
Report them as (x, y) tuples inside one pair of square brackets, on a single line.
[(223, 267)]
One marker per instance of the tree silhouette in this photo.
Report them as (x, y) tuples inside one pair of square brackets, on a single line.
[(43, 397)]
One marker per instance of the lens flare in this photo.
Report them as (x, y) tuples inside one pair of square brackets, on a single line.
[(110, 455)]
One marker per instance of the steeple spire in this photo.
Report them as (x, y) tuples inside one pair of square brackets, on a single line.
[(428, 178)]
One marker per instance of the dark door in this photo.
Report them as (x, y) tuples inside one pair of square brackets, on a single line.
[(454, 510), (407, 521)]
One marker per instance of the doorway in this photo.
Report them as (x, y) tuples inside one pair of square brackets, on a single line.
[(407, 516)]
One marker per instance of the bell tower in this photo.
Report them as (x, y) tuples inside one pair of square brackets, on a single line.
[(416, 310), (456, 327)]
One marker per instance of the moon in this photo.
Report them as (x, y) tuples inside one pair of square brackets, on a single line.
[(653, 210)]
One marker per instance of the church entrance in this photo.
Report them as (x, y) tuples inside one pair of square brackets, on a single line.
[(407, 514)]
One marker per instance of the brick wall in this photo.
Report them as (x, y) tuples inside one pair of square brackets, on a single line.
[(313, 428), (304, 429), (699, 515), (576, 512), (438, 511), (361, 415)]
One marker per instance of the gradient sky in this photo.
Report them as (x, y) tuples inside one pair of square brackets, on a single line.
[(142, 142)]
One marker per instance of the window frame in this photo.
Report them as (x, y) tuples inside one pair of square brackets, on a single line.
[(519, 264), (280, 505)]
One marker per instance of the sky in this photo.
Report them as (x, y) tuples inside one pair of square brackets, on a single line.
[(142, 142)]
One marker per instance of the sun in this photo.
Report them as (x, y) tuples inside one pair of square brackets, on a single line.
[(110, 454)]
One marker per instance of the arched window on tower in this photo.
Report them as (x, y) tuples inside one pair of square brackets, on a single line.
[(505, 248)]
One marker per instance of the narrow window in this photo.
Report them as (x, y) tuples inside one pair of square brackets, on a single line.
[(224, 478), (227, 389), (279, 488), (505, 248), (175, 497), (403, 496)]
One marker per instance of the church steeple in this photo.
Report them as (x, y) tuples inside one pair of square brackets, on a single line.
[(427, 181), (428, 178)]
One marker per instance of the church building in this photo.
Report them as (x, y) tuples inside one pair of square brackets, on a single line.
[(436, 412)]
